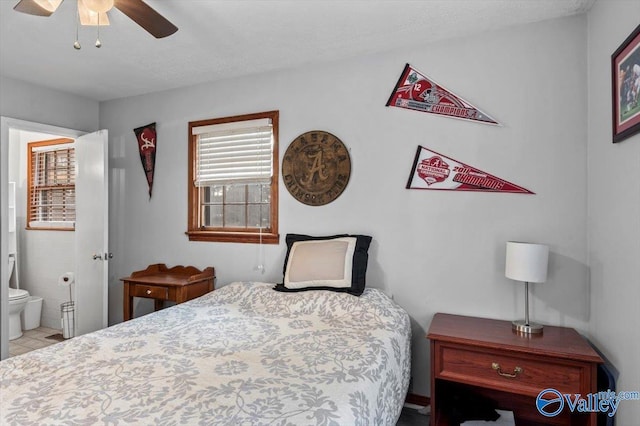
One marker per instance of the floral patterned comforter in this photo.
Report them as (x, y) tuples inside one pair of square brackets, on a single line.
[(241, 355)]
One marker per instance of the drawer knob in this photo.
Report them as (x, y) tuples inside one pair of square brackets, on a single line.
[(148, 291), (513, 375)]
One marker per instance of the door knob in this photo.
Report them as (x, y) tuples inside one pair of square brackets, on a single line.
[(97, 256)]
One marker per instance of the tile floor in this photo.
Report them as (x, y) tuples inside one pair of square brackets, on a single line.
[(32, 339)]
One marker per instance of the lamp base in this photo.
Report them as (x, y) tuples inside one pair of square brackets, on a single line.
[(521, 326)]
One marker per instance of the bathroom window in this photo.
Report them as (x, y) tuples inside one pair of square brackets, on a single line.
[(51, 194), (233, 179)]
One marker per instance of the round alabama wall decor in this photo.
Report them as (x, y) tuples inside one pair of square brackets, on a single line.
[(316, 168)]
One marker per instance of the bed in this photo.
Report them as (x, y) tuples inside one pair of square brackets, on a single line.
[(241, 355)]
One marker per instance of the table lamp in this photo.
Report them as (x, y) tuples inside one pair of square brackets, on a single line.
[(526, 262)]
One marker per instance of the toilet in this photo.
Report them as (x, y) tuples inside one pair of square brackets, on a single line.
[(17, 301)]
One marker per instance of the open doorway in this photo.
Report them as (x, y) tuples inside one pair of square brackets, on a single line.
[(83, 251), (41, 240)]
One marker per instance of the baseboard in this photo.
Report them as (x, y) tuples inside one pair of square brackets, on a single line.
[(420, 400)]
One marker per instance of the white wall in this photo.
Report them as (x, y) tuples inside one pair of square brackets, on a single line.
[(42, 255), (614, 208), (435, 251), (30, 102)]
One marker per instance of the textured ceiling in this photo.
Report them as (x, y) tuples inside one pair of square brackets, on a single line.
[(218, 39)]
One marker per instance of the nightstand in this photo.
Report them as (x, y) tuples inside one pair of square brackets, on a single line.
[(177, 284), (485, 357)]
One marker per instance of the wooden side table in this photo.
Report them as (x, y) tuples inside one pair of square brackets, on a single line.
[(485, 357), (178, 284)]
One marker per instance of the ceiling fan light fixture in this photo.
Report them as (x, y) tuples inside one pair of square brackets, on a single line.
[(89, 17), (94, 13), (99, 6), (49, 5)]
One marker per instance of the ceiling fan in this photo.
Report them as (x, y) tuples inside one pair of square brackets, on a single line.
[(94, 12)]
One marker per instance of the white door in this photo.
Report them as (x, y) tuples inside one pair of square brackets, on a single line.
[(92, 232)]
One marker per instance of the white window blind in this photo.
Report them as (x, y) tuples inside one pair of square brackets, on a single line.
[(231, 153), (52, 192)]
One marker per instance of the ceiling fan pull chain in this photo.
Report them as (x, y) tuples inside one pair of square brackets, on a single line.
[(98, 42), (76, 44)]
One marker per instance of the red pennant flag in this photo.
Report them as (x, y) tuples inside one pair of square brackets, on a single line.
[(436, 171), (418, 92), (146, 136)]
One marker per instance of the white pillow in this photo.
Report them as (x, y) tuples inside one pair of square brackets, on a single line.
[(320, 263)]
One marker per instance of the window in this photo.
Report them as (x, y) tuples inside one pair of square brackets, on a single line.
[(233, 179), (51, 185)]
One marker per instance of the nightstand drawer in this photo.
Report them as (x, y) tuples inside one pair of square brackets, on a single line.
[(478, 356), (152, 292), (513, 372)]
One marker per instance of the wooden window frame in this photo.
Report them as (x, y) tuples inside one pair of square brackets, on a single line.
[(233, 235), (30, 187)]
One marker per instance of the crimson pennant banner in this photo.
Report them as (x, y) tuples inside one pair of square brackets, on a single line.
[(436, 171), (417, 92), (146, 136)]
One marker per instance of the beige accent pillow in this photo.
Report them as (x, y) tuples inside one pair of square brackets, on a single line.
[(320, 263)]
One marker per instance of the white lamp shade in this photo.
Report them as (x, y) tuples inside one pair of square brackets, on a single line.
[(526, 262)]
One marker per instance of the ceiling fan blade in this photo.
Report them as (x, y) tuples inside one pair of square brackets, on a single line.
[(143, 15), (31, 7)]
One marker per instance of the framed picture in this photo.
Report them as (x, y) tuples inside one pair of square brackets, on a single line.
[(625, 84)]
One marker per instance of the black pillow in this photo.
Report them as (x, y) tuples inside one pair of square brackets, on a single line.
[(359, 266)]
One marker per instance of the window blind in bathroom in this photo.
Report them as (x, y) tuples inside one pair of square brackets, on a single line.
[(51, 184)]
